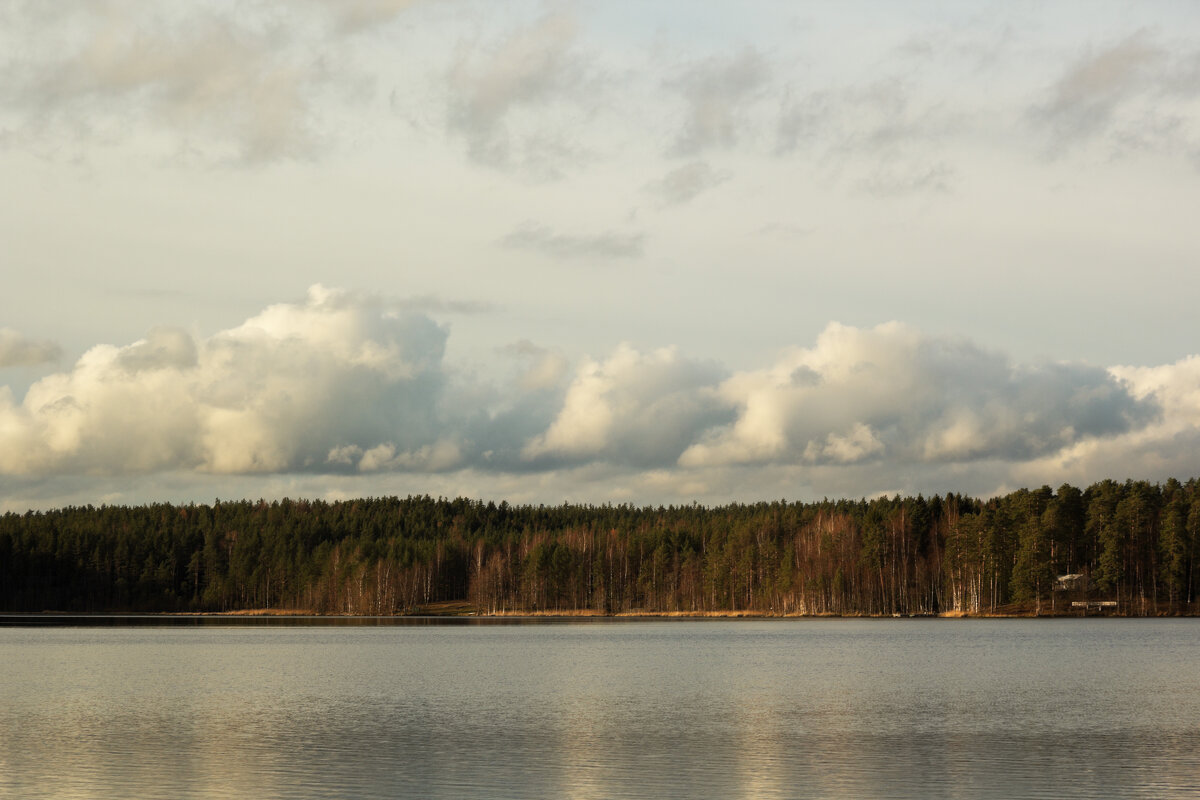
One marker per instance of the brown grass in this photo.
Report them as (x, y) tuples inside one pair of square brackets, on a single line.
[(445, 608), (251, 612), (721, 614), (463, 608)]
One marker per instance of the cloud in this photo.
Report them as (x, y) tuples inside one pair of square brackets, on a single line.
[(162, 348), (1176, 387), (17, 351), (607, 245), (1131, 95), (353, 16), (355, 387), (225, 83), (716, 92), (1084, 98), (803, 118), (219, 84), (1165, 447), (632, 408), (437, 457), (531, 67), (903, 179), (858, 443), (884, 134), (894, 395), (683, 184), (880, 116), (275, 394), (544, 369)]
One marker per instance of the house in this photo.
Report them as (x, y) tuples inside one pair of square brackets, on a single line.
[(1075, 582)]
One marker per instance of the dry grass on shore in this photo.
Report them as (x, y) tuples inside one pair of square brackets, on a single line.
[(720, 614), (463, 608), (253, 612)]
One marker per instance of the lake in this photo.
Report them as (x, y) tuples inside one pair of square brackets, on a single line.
[(856, 708)]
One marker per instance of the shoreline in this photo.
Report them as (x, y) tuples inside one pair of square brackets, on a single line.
[(434, 612)]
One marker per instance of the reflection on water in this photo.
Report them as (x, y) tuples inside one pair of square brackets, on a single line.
[(755, 709)]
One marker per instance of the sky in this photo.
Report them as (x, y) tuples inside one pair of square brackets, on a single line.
[(596, 252)]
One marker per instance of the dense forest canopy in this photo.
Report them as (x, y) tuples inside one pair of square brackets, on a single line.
[(1136, 543)]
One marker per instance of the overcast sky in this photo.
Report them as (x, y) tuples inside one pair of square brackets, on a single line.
[(649, 252)]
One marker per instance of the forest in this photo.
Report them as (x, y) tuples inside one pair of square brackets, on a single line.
[(1135, 543)]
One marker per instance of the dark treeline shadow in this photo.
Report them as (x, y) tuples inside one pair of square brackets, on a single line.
[(1030, 552)]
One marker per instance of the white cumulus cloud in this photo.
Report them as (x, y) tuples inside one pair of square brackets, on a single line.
[(893, 394), (275, 394), (352, 386), (633, 407)]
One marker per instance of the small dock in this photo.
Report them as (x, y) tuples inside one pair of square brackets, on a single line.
[(1095, 605)]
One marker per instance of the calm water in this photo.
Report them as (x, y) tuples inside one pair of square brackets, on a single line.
[(687, 709)]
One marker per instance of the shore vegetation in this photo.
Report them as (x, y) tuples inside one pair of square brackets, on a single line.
[(1030, 552)]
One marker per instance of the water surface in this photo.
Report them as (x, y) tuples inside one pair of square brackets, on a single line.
[(662, 709)]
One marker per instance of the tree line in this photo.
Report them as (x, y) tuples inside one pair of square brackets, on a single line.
[(1135, 542)]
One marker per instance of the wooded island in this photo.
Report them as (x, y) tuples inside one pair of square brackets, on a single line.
[(1031, 551)]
